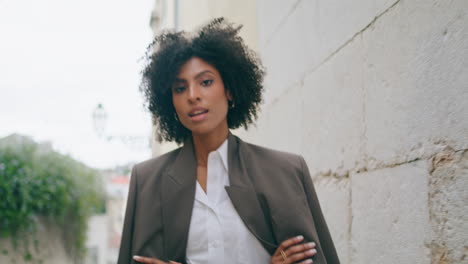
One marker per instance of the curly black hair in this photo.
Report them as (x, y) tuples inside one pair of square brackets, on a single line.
[(217, 43)]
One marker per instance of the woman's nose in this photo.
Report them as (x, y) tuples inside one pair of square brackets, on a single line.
[(194, 93)]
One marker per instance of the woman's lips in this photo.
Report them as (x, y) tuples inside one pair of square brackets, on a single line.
[(198, 115)]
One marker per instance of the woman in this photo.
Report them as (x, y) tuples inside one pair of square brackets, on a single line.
[(217, 199)]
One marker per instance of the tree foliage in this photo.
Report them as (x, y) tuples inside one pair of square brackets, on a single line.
[(36, 181)]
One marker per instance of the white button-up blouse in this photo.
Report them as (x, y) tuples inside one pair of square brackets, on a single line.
[(217, 233)]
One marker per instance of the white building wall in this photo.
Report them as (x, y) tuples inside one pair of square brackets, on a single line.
[(193, 14), (374, 95), (97, 242)]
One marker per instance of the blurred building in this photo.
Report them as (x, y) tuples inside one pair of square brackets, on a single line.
[(97, 237), (105, 231), (188, 15), (374, 95), (117, 191)]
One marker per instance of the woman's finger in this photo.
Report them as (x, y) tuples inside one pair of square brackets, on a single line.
[(287, 243), (299, 248), (307, 261), (303, 255), (148, 260), (294, 252), (278, 256)]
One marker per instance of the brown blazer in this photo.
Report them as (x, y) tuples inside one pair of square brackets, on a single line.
[(272, 192)]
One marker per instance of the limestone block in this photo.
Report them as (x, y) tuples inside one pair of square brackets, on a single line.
[(390, 219), (335, 198), (271, 13), (193, 14), (309, 33), (333, 110), (448, 207), (280, 124), (416, 76), (288, 53), (284, 122)]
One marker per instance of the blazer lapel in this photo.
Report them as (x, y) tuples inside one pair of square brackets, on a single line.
[(178, 194), (245, 199)]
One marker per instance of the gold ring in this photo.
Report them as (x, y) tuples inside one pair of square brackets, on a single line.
[(283, 255)]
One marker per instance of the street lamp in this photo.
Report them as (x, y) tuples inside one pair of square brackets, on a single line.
[(100, 117), (100, 120)]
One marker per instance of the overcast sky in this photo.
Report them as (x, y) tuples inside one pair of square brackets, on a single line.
[(59, 59)]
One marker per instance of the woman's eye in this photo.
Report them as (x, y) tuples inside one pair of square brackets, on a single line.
[(207, 82), (179, 89)]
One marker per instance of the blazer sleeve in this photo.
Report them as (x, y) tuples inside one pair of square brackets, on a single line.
[(125, 252), (321, 226)]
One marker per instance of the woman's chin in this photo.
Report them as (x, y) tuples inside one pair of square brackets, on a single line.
[(207, 131), (201, 132)]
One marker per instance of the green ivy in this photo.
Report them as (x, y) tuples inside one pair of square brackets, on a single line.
[(36, 181)]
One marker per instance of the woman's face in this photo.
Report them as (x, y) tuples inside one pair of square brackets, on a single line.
[(199, 98)]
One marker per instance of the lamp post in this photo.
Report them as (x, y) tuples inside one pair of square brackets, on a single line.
[(100, 118)]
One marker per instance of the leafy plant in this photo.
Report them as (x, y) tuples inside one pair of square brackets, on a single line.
[(36, 181)]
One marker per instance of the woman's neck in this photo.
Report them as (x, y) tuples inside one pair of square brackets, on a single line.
[(204, 144)]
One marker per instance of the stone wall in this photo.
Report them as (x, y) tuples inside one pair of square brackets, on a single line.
[(374, 95), (50, 247)]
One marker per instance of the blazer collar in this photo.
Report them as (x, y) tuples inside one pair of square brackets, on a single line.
[(244, 196), (178, 194)]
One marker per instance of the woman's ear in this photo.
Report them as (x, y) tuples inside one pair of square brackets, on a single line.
[(228, 95)]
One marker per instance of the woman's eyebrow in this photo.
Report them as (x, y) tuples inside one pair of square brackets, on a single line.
[(198, 75), (202, 73)]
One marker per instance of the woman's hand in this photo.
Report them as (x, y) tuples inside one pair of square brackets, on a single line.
[(152, 260), (290, 251)]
